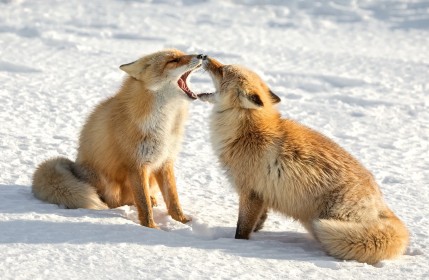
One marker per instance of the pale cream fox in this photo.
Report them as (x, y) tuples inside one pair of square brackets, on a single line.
[(128, 144), (279, 164)]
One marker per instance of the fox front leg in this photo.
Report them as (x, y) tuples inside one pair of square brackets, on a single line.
[(251, 209), (167, 183), (261, 221), (142, 200)]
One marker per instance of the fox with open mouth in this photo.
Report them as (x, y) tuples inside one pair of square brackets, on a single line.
[(129, 143)]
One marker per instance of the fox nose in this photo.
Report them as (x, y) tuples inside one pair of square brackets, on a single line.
[(202, 56)]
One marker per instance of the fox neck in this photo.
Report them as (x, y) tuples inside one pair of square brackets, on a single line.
[(235, 124), (143, 103), (156, 119)]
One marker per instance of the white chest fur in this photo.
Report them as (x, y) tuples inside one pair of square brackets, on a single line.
[(163, 130)]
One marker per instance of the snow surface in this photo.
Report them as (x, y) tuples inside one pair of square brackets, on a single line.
[(355, 70)]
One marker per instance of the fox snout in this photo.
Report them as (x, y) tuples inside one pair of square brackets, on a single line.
[(213, 66), (202, 56)]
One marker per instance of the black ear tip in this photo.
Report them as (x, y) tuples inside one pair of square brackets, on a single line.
[(275, 97)]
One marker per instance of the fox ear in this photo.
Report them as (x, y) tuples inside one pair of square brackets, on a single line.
[(133, 69), (251, 101), (274, 97)]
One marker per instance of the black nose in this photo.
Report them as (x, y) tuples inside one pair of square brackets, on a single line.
[(202, 56)]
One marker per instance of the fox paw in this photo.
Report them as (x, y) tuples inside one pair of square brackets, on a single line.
[(152, 225), (182, 218)]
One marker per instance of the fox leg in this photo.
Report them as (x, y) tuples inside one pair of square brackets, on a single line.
[(142, 199), (261, 221), (153, 190), (167, 184), (251, 210)]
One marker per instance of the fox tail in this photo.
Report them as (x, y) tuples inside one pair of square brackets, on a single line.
[(365, 242), (54, 181)]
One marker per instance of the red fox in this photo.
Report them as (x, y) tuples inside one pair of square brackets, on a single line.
[(279, 164), (128, 144)]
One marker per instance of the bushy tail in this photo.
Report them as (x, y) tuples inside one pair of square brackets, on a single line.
[(54, 182), (365, 242)]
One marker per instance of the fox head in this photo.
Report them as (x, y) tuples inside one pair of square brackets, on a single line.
[(237, 87), (167, 68)]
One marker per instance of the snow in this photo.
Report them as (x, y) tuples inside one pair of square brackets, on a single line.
[(356, 71)]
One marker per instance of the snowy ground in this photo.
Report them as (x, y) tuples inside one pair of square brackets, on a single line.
[(357, 71)]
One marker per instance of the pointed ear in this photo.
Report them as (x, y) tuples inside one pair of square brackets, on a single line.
[(251, 101), (274, 97), (133, 69)]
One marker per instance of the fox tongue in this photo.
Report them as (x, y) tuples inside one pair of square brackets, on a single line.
[(181, 83)]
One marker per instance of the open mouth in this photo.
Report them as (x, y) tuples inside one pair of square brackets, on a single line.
[(204, 95), (184, 86)]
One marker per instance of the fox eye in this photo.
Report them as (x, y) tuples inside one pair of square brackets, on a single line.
[(174, 60)]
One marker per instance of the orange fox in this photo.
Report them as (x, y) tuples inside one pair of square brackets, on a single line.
[(279, 164), (128, 144)]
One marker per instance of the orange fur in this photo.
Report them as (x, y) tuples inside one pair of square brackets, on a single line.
[(128, 144), (279, 164)]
